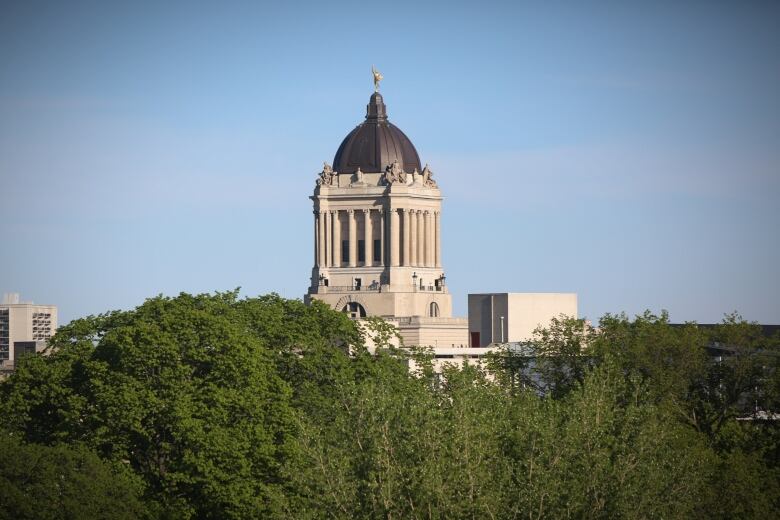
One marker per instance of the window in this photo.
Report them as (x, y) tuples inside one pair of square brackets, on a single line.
[(434, 312), (4, 334), (361, 251), (377, 249), (358, 283), (345, 250), (355, 310)]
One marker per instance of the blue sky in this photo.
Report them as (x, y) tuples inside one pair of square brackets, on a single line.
[(625, 151)]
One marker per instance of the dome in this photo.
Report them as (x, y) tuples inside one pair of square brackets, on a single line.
[(375, 144)]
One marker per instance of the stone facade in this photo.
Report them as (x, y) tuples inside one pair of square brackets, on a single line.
[(377, 236)]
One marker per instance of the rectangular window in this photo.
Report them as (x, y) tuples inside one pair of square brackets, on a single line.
[(377, 249), (4, 334), (345, 251), (361, 251)]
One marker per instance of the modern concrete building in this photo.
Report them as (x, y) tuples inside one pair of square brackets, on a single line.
[(377, 235), (512, 317), (24, 327)]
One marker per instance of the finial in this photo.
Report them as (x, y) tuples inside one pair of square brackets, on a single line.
[(377, 78)]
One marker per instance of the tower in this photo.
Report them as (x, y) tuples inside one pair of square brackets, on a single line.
[(377, 234)]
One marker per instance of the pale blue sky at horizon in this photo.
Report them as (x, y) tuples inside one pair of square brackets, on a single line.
[(628, 152)]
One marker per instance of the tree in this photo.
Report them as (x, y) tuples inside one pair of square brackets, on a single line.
[(61, 482), (603, 451), (177, 389), (561, 354), (213, 407), (365, 450)]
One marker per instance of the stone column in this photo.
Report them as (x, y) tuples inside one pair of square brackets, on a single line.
[(407, 227), (316, 241), (382, 238), (336, 239), (429, 243), (327, 247), (320, 239), (437, 225), (368, 241), (395, 238), (421, 239), (352, 238), (413, 238), (323, 239)]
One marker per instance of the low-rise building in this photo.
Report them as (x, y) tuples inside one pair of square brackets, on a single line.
[(513, 317)]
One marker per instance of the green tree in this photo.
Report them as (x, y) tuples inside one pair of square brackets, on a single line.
[(61, 482), (561, 354), (366, 450), (176, 388), (667, 358), (476, 475), (217, 407), (743, 378), (603, 451)]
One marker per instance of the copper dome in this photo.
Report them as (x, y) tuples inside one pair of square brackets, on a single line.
[(375, 144)]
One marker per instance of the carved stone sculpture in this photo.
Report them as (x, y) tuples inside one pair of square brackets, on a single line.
[(427, 176), (327, 175), (358, 178), (394, 173)]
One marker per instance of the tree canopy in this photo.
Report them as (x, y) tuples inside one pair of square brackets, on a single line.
[(213, 406), (61, 482)]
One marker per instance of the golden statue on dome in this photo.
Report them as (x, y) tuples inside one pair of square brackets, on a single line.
[(377, 78)]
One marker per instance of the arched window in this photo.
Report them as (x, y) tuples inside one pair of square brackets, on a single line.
[(434, 312), (355, 310)]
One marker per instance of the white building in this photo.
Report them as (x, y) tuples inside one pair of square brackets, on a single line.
[(24, 327), (377, 235), (513, 317)]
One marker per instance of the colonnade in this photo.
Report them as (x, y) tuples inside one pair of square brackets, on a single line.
[(407, 237)]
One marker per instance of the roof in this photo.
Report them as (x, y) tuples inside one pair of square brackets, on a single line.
[(375, 144)]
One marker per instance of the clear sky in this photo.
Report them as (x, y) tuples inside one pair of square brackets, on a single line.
[(625, 151)]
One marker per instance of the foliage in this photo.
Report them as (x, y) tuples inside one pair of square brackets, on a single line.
[(183, 388), (211, 406), (60, 482), (561, 351)]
